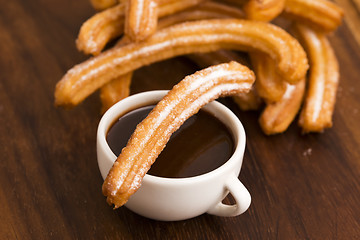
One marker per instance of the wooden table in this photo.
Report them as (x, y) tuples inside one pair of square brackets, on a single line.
[(302, 186)]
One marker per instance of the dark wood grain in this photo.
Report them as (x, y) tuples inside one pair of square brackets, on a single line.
[(302, 186)]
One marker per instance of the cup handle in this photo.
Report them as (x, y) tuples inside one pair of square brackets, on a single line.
[(241, 195)]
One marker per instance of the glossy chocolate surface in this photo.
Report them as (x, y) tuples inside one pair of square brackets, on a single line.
[(202, 144)]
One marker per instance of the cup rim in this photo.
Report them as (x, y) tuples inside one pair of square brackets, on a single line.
[(138, 100)]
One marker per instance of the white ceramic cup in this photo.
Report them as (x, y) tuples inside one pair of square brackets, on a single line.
[(172, 199)]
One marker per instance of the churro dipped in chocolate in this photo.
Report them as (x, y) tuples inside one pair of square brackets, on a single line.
[(151, 135)]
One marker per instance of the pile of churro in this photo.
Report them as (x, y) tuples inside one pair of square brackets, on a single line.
[(286, 49), (285, 42)]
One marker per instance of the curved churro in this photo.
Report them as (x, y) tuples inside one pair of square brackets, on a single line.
[(98, 30), (263, 10), (321, 14), (107, 25), (152, 134), (323, 81), (141, 19), (269, 85), (277, 116), (190, 37)]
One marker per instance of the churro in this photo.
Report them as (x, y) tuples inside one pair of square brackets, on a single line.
[(141, 18), (197, 36), (277, 116), (151, 135), (323, 81), (320, 14), (107, 25)]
